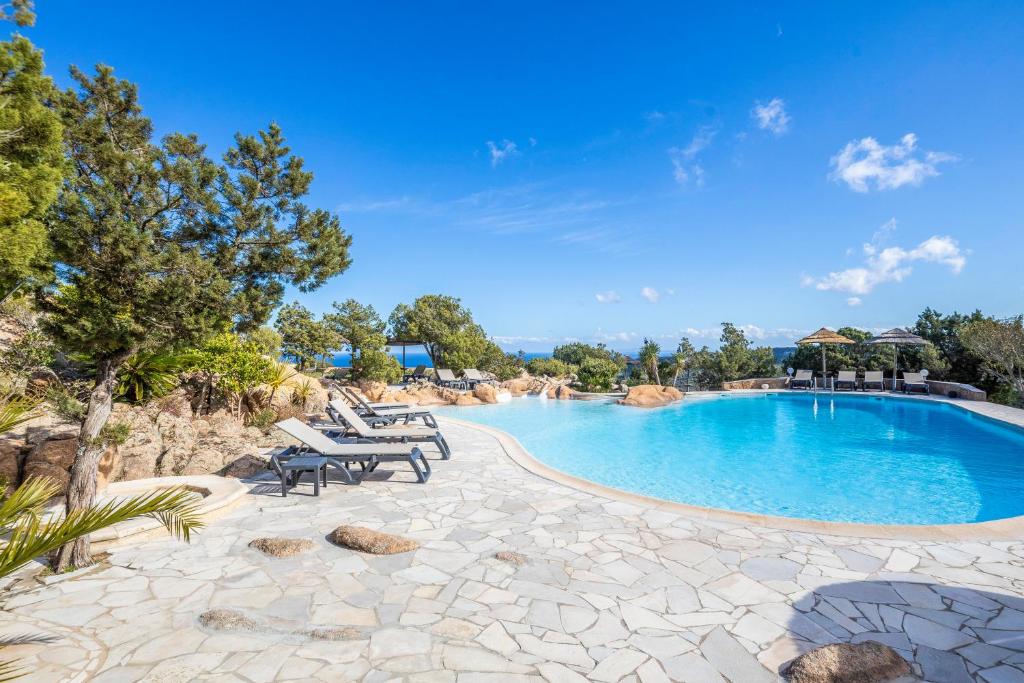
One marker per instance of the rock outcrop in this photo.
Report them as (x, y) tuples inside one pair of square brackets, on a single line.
[(370, 541), (651, 396), (867, 662)]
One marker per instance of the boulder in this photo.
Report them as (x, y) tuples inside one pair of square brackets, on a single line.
[(562, 391), (370, 541), (11, 456), (867, 662), (467, 400), (524, 385), (51, 459), (315, 402), (228, 620), (511, 557), (487, 393), (282, 547), (139, 457), (651, 396)]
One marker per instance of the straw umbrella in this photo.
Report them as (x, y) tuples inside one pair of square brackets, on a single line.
[(897, 336), (822, 337)]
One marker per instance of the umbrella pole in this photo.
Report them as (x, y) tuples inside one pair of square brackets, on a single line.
[(895, 364)]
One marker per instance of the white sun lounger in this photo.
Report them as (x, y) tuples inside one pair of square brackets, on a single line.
[(388, 414), (914, 381), (873, 378), (803, 378), (447, 378), (846, 378)]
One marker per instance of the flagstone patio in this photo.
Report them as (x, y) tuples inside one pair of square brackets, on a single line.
[(610, 591)]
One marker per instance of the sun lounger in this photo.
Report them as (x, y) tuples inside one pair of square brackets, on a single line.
[(343, 415), (474, 377), (388, 414), (873, 378), (420, 372), (447, 378), (846, 379), (340, 455), (914, 381), (803, 378)]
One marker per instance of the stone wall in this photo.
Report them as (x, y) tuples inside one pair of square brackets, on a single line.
[(964, 391)]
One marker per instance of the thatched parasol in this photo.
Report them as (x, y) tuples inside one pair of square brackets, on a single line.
[(897, 336), (822, 337)]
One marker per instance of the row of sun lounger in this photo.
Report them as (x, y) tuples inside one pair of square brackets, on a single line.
[(873, 379), (364, 434)]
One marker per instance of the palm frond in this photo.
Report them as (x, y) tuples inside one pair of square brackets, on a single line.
[(30, 537), (26, 500), (11, 670), (14, 410)]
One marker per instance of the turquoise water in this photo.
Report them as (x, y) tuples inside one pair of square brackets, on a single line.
[(851, 458)]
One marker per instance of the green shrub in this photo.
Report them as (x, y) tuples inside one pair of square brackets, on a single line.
[(376, 366), (231, 366), (500, 364), (267, 340), (64, 404), (32, 350), (549, 367), (263, 419), (573, 353), (115, 433), (597, 374)]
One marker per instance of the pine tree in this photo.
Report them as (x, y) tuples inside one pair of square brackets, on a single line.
[(158, 246)]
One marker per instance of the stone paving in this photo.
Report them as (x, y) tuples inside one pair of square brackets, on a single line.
[(610, 591)]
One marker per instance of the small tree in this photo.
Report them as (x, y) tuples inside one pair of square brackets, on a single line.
[(305, 338), (596, 374), (648, 358), (359, 326), (267, 340), (157, 246), (441, 323), (1000, 345)]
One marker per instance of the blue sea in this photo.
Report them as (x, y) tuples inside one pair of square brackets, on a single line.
[(412, 358)]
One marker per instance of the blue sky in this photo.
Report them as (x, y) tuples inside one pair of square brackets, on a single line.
[(606, 172)]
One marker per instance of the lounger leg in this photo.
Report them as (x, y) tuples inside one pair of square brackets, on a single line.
[(284, 483), (442, 445), (422, 474), (316, 483)]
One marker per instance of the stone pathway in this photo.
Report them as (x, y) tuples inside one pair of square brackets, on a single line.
[(611, 591)]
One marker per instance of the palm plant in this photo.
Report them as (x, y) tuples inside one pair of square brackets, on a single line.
[(302, 392), (14, 410), (149, 375), (25, 535), (280, 374)]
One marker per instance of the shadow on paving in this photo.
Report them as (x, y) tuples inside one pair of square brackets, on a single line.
[(949, 634)]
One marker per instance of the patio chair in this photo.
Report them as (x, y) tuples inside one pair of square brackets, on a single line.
[(846, 378), (873, 378), (474, 377), (419, 372), (343, 415), (315, 445), (802, 378), (914, 381), (388, 413), (447, 378)]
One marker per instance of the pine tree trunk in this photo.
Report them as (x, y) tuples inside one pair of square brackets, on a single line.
[(82, 486)]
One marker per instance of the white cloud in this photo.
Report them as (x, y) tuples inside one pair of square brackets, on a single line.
[(864, 161), (615, 337), (609, 297), (501, 151), (889, 264), (533, 142), (685, 162), (771, 116), (854, 301), (651, 294)]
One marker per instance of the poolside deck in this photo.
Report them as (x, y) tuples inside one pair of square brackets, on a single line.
[(612, 590)]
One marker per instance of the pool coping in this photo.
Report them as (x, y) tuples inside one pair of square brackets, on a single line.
[(1011, 528)]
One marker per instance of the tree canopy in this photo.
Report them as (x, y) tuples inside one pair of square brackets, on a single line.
[(31, 164), (444, 327), (303, 337)]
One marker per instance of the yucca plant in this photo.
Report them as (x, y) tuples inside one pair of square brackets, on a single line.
[(302, 392), (24, 535), (279, 375)]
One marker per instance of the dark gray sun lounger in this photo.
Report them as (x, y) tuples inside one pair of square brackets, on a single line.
[(803, 378), (344, 416), (373, 412), (340, 455)]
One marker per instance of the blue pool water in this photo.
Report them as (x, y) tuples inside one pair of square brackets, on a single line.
[(851, 458)]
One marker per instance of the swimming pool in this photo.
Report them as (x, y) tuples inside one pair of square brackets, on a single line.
[(847, 458)]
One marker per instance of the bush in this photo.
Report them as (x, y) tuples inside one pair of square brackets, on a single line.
[(230, 366), (500, 364), (549, 367), (64, 404), (573, 353), (597, 374), (376, 366), (32, 350), (267, 340)]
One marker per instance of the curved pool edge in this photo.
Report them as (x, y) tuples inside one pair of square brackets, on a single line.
[(1011, 528)]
